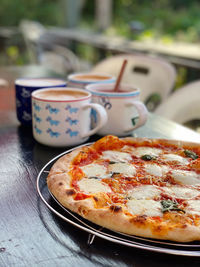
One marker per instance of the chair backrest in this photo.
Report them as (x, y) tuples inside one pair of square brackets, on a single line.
[(152, 75), (59, 59), (31, 31), (183, 105)]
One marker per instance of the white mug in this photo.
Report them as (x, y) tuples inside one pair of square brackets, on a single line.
[(125, 111), (81, 80), (62, 116)]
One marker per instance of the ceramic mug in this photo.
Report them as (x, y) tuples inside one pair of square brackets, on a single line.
[(125, 111), (23, 89), (81, 80), (62, 116)]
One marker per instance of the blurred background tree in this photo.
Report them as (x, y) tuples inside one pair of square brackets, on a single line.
[(47, 12), (138, 19), (164, 20)]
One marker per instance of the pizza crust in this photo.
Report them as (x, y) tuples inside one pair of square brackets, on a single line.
[(116, 217)]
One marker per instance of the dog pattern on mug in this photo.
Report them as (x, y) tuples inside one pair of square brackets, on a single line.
[(71, 109), (36, 107), (53, 121), (52, 109)]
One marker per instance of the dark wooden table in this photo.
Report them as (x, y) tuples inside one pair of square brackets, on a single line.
[(31, 235)]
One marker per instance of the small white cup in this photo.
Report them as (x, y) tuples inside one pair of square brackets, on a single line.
[(125, 111), (81, 80), (62, 116)]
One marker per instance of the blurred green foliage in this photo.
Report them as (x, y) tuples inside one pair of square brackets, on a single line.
[(47, 12), (162, 19)]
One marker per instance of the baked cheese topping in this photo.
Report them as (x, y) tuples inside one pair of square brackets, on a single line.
[(181, 192), (141, 151), (126, 169), (193, 207), (144, 207), (93, 186), (94, 170), (144, 192), (117, 156), (156, 170), (176, 158), (186, 177)]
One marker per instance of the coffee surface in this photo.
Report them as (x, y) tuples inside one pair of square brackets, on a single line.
[(39, 82), (91, 77), (60, 95)]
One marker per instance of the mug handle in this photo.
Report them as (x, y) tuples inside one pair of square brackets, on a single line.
[(102, 115), (142, 112)]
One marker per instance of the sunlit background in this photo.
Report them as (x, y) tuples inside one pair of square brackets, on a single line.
[(166, 21), (73, 35)]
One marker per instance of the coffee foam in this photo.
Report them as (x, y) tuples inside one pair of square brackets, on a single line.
[(60, 95), (90, 77), (39, 82)]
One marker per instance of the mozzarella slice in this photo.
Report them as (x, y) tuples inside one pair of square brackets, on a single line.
[(193, 207), (186, 177), (96, 170), (93, 186), (156, 170), (141, 151), (126, 169), (117, 156), (181, 192), (144, 207), (175, 158), (144, 192)]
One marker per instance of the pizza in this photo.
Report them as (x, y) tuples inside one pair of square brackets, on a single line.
[(137, 186)]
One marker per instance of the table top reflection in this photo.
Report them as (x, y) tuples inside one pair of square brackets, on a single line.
[(31, 235)]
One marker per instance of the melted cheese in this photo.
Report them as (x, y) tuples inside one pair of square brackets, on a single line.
[(141, 151), (94, 170), (181, 192), (116, 156), (193, 207), (144, 192), (126, 169), (144, 207), (91, 186), (156, 170), (176, 158), (186, 177)]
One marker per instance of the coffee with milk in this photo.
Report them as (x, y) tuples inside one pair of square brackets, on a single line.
[(60, 95), (39, 82)]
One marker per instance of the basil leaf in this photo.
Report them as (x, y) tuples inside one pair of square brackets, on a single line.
[(169, 205), (191, 154), (148, 157), (112, 162), (113, 174)]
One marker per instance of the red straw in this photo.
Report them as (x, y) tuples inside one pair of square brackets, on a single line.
[(120, 76)]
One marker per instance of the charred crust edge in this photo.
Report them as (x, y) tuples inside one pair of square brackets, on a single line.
[(70, 192), (115, 208)]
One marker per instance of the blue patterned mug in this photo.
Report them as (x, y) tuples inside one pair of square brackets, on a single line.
[(24, 87), (62, 116)]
